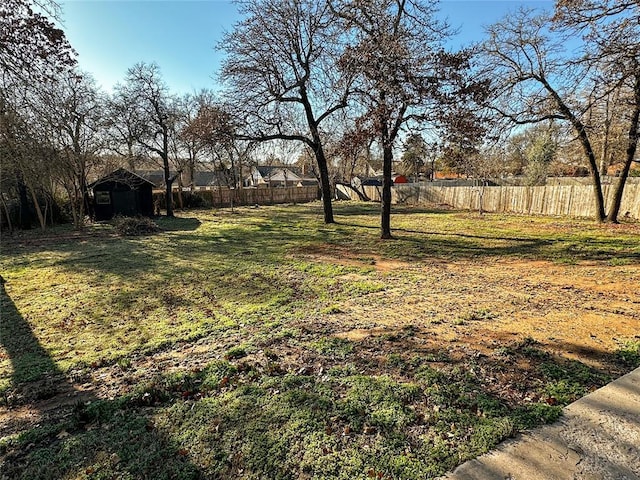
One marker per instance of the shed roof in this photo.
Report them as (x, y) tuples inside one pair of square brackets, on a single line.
[(372, 182), (124, 176)]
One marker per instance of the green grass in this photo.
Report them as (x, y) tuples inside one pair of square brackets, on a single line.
[(283, 426), (250, 285), (629, 354)]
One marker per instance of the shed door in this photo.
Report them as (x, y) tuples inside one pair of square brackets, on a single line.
[(124, 203)]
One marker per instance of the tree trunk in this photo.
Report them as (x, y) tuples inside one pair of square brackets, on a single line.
[(612, 217), (593, 167), (168, 181), (41, 219), (604, 160), (597, 189), (87, 207), (325, 184), (321, 160), (586, 146), (168, 195), (8, 214), (385, 216), (24, 218), (632, 146)]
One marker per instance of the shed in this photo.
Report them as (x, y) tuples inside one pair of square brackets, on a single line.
[(122, 193)]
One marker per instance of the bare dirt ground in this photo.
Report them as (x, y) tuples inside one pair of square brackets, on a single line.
[(579, 311)]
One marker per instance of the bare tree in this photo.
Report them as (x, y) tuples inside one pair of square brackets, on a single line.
[(26, 165), (187, 143), (122, 129), (72, 109), (397, 56), (214, 129), (606, 126), (352, 152), (154, 117), (32, 51), (282, 75), (611, 29), (536, 78)]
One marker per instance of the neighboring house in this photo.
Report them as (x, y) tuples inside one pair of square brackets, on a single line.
[(376, 181), (156, 177), (208, 179), (277, 177), (309, 182), (122, 193)]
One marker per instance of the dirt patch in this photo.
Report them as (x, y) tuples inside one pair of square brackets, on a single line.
[(575, 310), (345, 257)]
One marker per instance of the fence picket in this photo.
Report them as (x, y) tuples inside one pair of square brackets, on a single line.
[(560, 200)]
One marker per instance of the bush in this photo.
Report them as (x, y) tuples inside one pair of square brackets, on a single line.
[(194, 200), (133, 226), (200, 199)]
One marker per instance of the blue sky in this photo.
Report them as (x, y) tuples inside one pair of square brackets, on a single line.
[(181, 35)]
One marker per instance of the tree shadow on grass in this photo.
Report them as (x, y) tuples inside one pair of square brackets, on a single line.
[(417, 245), (178, 224), (29, 360), (72, 433), (372, 209)]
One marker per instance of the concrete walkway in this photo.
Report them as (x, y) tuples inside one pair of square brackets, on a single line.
[(597, 438)]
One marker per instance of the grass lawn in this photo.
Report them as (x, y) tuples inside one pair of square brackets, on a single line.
[(261, 343)]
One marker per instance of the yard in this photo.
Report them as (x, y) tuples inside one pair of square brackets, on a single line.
[(261, 343)]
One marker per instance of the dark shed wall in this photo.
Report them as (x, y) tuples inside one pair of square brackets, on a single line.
[(145, 198), (113, 198)]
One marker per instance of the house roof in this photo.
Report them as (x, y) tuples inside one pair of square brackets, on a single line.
[(211, 178), (372, 182), (266, 171), (155, 176), (278, 174), (400, 179), (308, 182), (124, 176)]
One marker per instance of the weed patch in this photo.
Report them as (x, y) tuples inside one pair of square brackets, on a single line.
[(629, 354)]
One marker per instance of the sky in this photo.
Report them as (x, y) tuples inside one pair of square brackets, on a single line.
[(181, 36)]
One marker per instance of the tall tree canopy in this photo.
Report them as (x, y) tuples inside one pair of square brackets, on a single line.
[(154, 117), (401, 69), (611, 32), (32, 51), (71, 109), (535, 80), (282, 75), (31, 46), (536, 76)]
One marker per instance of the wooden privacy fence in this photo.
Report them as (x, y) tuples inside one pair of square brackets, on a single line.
[(561, 200), (222, 197)]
